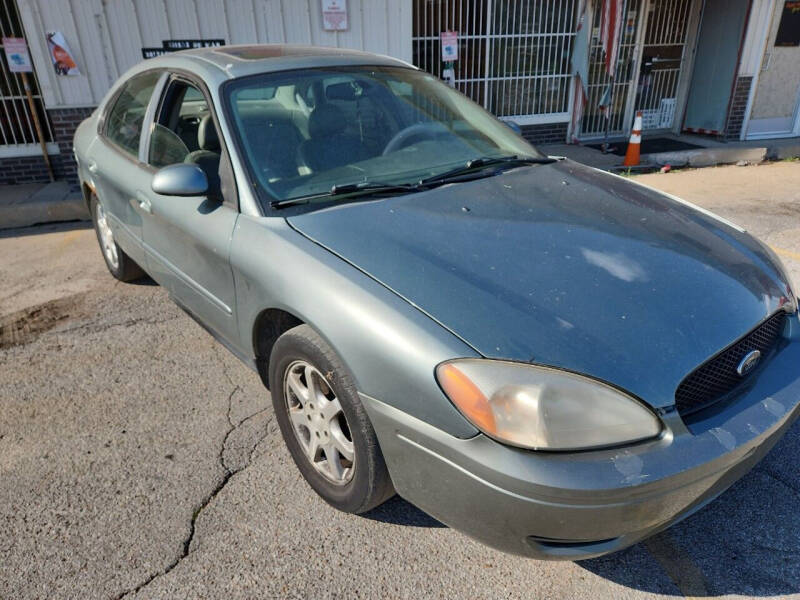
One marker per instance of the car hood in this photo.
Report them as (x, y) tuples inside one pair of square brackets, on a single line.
[(567, 266)]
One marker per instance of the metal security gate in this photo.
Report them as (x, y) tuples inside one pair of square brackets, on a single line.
[(17, 130), (662, 62), (513, 55), (650, 71)]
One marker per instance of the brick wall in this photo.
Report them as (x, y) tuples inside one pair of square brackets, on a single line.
[(550, 133), (32, 169), (738, 106)]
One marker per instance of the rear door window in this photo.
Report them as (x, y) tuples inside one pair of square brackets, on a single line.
[(125, 119)]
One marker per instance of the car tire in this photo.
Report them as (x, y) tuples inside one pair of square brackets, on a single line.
[(119, 264), (301, 354)]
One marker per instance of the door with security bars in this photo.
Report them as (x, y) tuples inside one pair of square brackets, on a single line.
[(514, 56), (17, 129), (652, 68)]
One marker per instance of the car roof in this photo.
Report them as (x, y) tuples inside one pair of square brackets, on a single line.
[(216, 64)]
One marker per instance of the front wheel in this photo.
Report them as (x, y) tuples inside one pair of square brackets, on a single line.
[(324, 423), (119, 264)]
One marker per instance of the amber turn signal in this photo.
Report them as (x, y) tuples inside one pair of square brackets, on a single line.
[(467, 397)]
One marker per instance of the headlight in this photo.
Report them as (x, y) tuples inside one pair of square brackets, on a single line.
[(542, 408)]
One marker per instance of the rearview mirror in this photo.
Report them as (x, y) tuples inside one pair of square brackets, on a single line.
[(180, 180)]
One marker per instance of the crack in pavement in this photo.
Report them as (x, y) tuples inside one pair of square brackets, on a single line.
[(91, 327), (228, 473)]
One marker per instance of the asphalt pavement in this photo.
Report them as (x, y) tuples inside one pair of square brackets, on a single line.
[(139, 459)]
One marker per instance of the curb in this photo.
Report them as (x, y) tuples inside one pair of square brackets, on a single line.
[(52, 204), (707, 157)]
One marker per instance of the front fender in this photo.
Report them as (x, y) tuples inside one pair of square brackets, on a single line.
[(390, 347)]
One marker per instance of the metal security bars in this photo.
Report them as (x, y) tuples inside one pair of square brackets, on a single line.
[(513, 55), (594, 120), (650, 68), (663, 56), (16, 122)]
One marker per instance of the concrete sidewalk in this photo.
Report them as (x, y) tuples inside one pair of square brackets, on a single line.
[(711, 153), (35, 203)]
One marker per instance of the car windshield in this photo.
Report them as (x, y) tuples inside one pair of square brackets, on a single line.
[(304, 132)]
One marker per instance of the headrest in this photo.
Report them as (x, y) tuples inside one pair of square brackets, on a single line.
[(207, 137), (341, 91), (326, 120)]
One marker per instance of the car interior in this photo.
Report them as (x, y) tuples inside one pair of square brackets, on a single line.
[(294, 132)]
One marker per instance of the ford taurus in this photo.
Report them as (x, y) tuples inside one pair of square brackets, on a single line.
[(552, 359)]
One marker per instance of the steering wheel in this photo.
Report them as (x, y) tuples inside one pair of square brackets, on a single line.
[(404, 136)]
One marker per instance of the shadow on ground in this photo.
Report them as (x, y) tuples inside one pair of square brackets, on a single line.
[(47, 228), (746, 542), (400, 512)]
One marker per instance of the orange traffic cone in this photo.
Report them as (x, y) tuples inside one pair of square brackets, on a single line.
[(635, 145)]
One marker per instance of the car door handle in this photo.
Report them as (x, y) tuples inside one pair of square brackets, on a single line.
[(144, 202), (92, 167)]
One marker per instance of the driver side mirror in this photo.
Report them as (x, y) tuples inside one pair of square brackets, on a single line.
[(180, 180)]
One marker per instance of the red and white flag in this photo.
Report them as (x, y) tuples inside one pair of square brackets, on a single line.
[(610, 26)]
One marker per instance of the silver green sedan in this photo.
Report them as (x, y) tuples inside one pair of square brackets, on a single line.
[(552, 359)]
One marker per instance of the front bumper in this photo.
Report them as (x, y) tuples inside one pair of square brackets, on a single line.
[(584, 504)]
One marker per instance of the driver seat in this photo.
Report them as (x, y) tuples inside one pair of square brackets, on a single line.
[(328, 145), (208, 156)]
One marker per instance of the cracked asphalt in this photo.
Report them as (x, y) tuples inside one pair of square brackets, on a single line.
[(139, 459)]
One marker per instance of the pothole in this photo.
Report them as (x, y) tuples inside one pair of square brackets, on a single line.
[(27, 324)]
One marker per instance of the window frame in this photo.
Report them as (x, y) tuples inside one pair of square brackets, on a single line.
[(102, 125), (263, 199), (172, 74)]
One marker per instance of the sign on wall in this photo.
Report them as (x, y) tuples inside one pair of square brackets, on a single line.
[(334, 15), (789, 29), (175, 45), (19, 60), (63, 63), (449, 45), (184, 44)]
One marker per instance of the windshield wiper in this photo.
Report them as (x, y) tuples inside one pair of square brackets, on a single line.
[(360, 188), (482, 162)]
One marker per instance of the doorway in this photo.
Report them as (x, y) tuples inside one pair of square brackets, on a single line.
[(776, 105), (652, 69), (715, 67)]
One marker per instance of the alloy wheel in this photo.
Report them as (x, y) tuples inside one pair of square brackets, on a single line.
[(318, 422), (106, 237)]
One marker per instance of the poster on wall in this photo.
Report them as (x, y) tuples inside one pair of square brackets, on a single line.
[(63, 63), (334, 15), (19, 61), (789, 29), (449, 45)]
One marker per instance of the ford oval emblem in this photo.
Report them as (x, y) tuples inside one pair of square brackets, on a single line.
[(748, 363)]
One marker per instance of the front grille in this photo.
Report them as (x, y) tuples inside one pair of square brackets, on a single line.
[(710, 381)]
